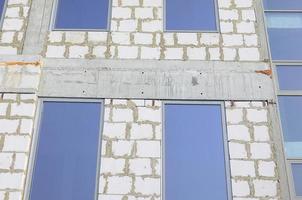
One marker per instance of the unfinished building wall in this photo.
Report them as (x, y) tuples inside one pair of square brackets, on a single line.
[(18, 102), (132, 151), (132, 147), (17, 113), (137, 32), (14, 25), (251, 147)]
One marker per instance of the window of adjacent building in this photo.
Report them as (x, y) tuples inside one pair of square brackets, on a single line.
[(290, 77), (291, 116), (66, 160), (290, 107), (297, 176), (193, 15), (2, 4), (284, 26), (195, 164), (282, 4), (79, 14)]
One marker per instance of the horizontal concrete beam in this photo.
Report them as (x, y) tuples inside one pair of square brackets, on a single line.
[(20, 74), (20, 58), (155, 79)]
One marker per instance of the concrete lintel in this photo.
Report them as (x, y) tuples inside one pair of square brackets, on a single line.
[(164, 65), (18, 90), (155, 79)]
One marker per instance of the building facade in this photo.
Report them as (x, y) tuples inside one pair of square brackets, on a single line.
[(148, 104)]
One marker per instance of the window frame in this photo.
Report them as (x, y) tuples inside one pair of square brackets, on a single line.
[(2, 16), (35, 140), (224, 136), (54, 16), (216, 9)]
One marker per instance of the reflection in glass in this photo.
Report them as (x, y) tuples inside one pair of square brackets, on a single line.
[(285, 30), (297, 175), (190, 15), (66, 160), (289, 77), (79, 14), (282, 4), (194, 153), (291, 118)]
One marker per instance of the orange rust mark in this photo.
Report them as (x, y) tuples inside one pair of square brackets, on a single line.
[(267, 72), (11, 63)]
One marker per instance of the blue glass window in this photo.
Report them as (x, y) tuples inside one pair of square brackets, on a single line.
[(297, 174), (195, 15), (291, 118), (67, 152), (282, 4), (2, 2), (285, 30), (290, 77), (79, 14), (195, 165)]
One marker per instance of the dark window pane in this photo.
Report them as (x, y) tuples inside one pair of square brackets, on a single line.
[(290, 77), (291, 116), (190, 15), (297, 174), (66, 160), (2, 2), (79, 14), (285, 30), (194, 153), (282, 4)]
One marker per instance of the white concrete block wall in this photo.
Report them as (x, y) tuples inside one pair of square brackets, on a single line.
[(16, 127), (131, 149), (137, 32), (13, 28), (252, 158), (131, 156)]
